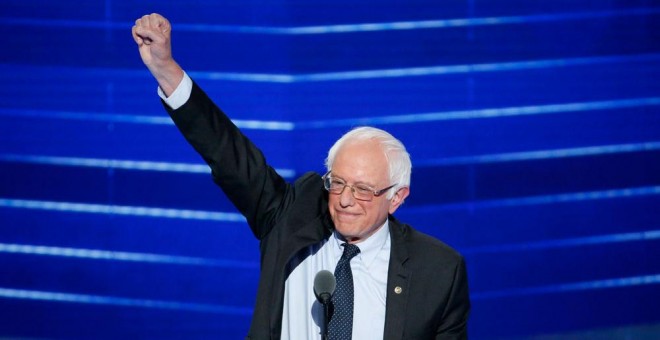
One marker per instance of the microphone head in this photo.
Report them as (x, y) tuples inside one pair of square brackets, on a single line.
[(324, 285)]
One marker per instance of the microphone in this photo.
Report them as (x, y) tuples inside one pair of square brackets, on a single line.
[(324, 286)]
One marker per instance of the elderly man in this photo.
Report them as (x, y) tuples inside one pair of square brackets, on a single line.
[(392, 281)]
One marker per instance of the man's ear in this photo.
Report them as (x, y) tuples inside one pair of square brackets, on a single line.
[(398, 199)]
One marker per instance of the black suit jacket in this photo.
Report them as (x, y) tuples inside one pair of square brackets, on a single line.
[(427, 294)]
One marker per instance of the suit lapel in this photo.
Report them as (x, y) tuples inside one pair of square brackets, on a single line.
[(398, 278)]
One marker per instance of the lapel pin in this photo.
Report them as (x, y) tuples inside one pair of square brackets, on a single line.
[(398, 289)]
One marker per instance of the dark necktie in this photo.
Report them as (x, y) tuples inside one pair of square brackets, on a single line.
[(341, 322)]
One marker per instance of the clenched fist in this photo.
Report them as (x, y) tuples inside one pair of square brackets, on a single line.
[(152, 33)]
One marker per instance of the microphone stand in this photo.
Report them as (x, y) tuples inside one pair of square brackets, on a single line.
[(325, 301)]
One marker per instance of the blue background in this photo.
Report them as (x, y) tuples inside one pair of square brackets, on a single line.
[(534, 129)]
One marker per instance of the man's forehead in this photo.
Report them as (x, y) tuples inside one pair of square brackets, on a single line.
[(363, 158)]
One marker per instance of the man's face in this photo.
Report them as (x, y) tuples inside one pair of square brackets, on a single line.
[(362, 162)]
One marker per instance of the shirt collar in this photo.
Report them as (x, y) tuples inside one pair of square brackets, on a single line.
[(369, 247)]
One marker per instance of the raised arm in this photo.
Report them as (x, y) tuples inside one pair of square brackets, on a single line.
[(152, 33), (238, 166)]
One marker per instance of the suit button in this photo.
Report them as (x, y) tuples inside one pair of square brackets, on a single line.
[(398, 289)]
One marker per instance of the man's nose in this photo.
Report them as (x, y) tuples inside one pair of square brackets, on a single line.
[(346, 198)]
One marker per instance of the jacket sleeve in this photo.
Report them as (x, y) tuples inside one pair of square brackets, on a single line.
[(237, 165), (455, 316)]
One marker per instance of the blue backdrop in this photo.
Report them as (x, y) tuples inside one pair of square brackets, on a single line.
[(534, 129)]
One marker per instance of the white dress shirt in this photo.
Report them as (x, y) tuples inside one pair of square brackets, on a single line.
[(180, 95), (303, 315)]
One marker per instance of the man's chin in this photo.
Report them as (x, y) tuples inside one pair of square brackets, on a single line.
[(347, 231)]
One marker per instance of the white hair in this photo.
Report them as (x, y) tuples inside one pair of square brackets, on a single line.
[(398, 159)]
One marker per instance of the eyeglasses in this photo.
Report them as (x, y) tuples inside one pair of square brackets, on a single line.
[(360, 191)]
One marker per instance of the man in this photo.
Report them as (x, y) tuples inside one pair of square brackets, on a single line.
[(405, 285)]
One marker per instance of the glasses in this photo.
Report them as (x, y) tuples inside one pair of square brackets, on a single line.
[(360, 191)]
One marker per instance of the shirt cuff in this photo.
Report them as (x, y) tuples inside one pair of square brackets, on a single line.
[(180, 95)]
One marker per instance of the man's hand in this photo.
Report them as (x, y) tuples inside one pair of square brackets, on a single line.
[(152, 33)]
